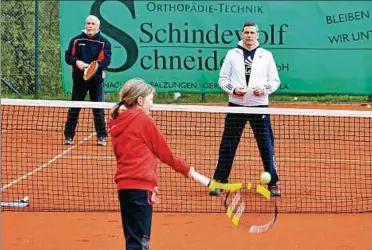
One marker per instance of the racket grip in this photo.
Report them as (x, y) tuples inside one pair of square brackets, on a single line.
[(199, 177)]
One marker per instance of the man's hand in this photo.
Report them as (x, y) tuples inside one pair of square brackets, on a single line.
[(240, 91), (81, 65), (259, 91)]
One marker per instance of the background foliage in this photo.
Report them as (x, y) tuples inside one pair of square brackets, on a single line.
[(18, 43)]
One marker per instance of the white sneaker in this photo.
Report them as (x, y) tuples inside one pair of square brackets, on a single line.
[(69, 141), (101, 141)]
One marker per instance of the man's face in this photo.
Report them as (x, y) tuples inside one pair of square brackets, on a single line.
[(91, 27), (249, 36)]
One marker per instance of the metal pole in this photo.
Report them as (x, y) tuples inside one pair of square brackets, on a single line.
[(36, 39), (1, 75)]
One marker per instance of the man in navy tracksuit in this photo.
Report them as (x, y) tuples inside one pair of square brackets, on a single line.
[(249, 75), (83, 49)]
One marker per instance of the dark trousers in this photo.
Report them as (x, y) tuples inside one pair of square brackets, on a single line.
[(234, 126), (136, 216), (79, 92)]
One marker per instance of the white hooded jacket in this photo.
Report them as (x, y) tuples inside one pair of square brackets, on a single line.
[(264, 75)]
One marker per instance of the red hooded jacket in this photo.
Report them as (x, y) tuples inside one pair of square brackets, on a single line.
[(137, 144)]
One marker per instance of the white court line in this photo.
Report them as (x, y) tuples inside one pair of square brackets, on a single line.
[(45, 164), (279, 159), (317, 160), (326, 160), (91, 157)]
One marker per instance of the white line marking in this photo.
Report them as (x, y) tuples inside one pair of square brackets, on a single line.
[(324, 160), (279, 159), (46, 164), (92, 157)]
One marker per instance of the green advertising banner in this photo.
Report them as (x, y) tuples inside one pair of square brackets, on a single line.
[(179, 46)]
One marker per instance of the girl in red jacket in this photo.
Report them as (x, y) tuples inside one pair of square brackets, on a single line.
[(137, 144)]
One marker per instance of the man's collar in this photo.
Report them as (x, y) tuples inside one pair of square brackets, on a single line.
[(240, 45), (92, 37)]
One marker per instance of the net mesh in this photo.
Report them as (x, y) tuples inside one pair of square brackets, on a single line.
[(324, 157)]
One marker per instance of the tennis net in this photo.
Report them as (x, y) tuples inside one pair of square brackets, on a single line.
[(324, 157)]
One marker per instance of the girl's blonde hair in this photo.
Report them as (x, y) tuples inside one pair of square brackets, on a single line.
[(129, 94)]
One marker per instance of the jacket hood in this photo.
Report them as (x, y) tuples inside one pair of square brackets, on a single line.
[(120, 124)]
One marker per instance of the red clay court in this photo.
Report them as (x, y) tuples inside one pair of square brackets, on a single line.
[(324, 165)]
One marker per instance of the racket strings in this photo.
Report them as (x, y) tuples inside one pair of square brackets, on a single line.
[(250, 210)]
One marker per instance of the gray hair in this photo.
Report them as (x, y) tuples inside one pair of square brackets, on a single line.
[(93, 18)]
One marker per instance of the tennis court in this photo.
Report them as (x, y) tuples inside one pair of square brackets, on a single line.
[(184, 231), (324, 165)]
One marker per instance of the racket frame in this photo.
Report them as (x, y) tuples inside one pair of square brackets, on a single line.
[(93, 64), (235, 188)]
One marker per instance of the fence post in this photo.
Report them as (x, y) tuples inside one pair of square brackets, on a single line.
[(36, 39)]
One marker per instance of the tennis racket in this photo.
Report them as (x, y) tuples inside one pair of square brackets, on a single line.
[(251, 208), (90, 70), (248, 206)]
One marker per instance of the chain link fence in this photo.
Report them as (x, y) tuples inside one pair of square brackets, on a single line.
[(30, 47)]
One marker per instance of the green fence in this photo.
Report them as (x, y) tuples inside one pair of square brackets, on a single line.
[(30, 48)]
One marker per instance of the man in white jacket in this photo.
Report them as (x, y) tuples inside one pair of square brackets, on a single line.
[(249, 74)]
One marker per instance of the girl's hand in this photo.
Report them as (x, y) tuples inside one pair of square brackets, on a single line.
[(154, 196)]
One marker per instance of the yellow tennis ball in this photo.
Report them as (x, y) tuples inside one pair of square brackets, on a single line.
[(265, 177), (368, 106)]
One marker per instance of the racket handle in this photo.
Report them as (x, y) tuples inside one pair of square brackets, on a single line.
[(199, 177)]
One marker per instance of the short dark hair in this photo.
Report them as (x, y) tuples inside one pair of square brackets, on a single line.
[(250, 24)]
